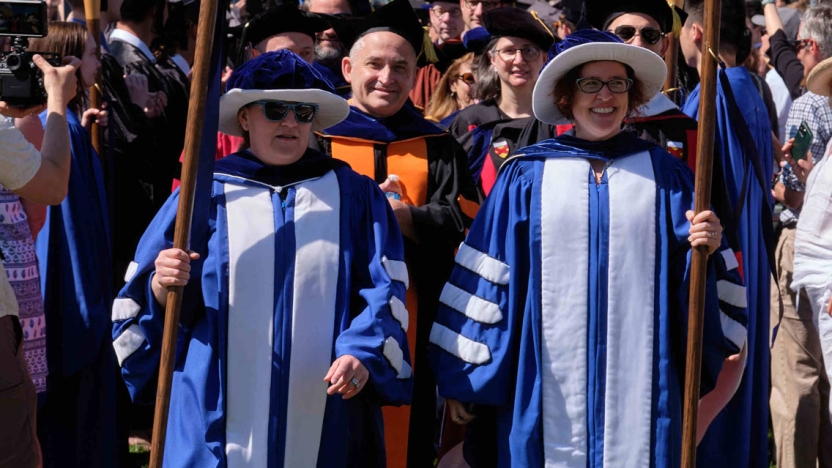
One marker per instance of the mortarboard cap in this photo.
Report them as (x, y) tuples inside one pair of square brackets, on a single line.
[(518, 23), (571, 10), (397, 17), (282, 19), (600, 13)]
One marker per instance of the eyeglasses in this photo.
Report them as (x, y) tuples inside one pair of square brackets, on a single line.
[(276, 111), (440, 12), (508, 54), (473, 4), (594, 85), (799, 44), (650, 34), (468, 78)]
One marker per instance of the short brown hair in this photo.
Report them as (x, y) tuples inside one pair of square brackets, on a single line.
[(564, 93)]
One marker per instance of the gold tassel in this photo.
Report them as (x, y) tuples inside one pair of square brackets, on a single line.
[(677, 21), (534, 15), (427, 47)]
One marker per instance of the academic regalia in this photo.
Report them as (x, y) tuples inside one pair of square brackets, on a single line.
[(661, 122), (433, 174), (342, 88), (489, 137), (175, 70), (76, 423), (569, 332), (300, 265), (738, 437), (428, 76)]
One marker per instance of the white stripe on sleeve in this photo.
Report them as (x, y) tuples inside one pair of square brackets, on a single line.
[(464, 348), (473, 307), (128, 342), (731, 293), (487, 267)]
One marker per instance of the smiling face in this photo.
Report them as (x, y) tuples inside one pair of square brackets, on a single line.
[(274, 143), (598, 116), (90, 65), (328, 46), (382, 70), (518, 72)]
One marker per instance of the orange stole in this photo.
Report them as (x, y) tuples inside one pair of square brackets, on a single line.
[(408, 160)]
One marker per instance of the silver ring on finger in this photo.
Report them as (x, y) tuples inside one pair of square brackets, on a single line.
[(355, 382), (711, 234), (458, 419)]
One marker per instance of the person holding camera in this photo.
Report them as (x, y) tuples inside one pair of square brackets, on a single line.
[(40, 176)]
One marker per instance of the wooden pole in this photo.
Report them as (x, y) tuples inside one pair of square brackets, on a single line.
[(699, 263), (181, 237), (92, 10), (671, 58)]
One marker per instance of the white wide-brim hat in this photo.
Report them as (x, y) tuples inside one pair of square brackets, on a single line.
[(332, 109), (648, 67), (819, 80)]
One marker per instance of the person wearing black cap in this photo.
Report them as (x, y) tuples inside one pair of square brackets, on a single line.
[(385, 137), (328, 48), (513, 57), (648, 24), (283, 27)]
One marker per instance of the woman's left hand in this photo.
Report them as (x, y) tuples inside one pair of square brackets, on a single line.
[(347, 376), (705, 229), (98, 116)]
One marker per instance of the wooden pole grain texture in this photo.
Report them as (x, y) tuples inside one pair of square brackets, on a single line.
[(671, 58), (181, 237), (699, 263), (92, 9)]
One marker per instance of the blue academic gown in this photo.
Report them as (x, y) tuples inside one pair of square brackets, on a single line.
[(73, 250), (567, 309), (303, 264), (738, 437)]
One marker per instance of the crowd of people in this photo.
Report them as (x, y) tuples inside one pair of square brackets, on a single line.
[(452, 233)]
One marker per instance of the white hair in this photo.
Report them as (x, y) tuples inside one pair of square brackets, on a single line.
[(356, 48)]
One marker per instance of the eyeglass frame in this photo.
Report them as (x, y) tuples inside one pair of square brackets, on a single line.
[(292, 107), (499, 53), (450, 13), (629, 82), (495, 5), (638, 32), (461, 76), (800, 44)]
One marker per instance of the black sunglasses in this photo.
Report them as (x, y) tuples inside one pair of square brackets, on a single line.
[(276, 111), (650, 34), (799, 44)]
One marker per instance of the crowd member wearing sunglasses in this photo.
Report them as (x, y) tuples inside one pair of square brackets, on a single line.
[(291, 336), (649, 24), (743, 148), (454, 92), (580, 253), (508, 70)]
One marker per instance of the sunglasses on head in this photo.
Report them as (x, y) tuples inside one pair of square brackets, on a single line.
[(650, 34), (468, 78), (276, 111)]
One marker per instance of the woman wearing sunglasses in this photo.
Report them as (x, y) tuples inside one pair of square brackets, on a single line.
[(293, 317), (454, 92), (507, 72), (577, 266)]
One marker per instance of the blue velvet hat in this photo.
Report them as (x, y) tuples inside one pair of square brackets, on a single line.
[(588, 45), (283, 76)]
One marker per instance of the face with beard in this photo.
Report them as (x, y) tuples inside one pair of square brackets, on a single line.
[(328, 49)]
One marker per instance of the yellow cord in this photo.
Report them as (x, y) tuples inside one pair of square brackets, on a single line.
[(534, 14), (677, 21), (427, 47)]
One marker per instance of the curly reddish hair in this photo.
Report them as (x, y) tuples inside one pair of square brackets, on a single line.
[(563, 95)]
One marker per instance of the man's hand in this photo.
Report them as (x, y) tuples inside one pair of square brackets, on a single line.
[(347, 376), (98, 116), (800, 168), (459, 414), (404, 217), (60, 83), (137, 88)]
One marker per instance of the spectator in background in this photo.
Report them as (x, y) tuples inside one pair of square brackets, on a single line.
[(813, 240), (73, 251), (445, 21), (782, 32), (799, 387), (329, 50), (454, 92), (41, 177), (472, 11), (760, 43)]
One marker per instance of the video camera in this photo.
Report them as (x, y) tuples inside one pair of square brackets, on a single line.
[(21, 81)]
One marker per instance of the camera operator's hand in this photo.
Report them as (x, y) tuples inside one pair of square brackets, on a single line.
[(60, 83), (20, 112)]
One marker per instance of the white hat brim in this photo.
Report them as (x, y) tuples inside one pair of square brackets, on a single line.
[(649, 68), (332, 109), (819, 80)]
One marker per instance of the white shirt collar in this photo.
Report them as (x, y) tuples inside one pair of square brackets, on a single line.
[(181, 63), (124, 36), (660, 103)]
